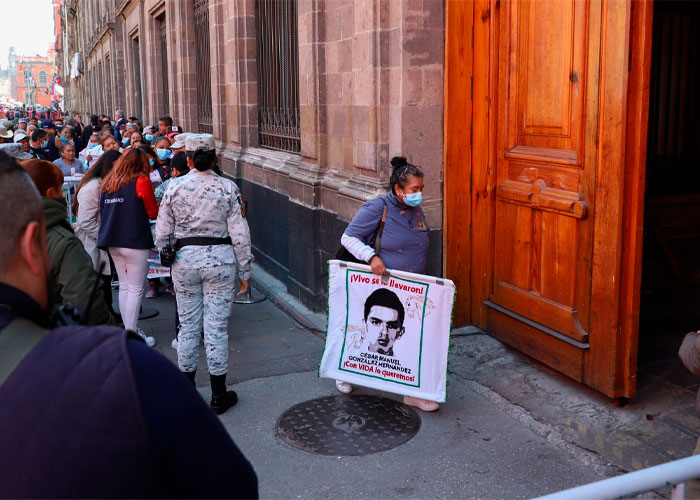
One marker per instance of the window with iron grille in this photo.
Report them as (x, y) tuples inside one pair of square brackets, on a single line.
[(278, 75), (108, 85), (136, 58), (201, 37), (42, 78), (164, 63)]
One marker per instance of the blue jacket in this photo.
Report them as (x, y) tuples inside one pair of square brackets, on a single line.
[(405, 239)]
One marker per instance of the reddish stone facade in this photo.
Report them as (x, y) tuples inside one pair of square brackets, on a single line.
[(370, 77), (36, 90)]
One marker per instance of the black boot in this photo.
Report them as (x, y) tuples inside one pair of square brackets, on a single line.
[(221, 399), (190, 375)]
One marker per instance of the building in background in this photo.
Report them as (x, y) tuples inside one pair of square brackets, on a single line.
[(12, 71), (35, 76), (308, 101)]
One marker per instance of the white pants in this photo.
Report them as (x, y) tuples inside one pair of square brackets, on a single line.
[(132, 269)]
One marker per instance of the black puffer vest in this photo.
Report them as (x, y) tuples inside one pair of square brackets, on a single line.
[(72, 423)]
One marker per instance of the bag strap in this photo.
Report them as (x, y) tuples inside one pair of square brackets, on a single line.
[(378, 244), (17, 339)]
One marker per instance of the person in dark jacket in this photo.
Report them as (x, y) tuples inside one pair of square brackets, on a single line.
[(89, 129), (91, 412), (126, 204), (38, 144), (52, 152), (73, 275)]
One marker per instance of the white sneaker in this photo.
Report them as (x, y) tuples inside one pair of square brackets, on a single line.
[(173, 344), (150, 341), (343, 387)]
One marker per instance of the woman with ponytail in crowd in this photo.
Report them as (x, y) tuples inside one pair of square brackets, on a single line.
[(126, 205), (404, 243), (201, 215), (86, 206)]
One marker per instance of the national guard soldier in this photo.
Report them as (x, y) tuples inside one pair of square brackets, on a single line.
[(201, 213)]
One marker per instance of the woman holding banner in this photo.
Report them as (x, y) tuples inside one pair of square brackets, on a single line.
[(404, 239)]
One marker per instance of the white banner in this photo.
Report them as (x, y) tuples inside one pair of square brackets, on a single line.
[(388, 332)]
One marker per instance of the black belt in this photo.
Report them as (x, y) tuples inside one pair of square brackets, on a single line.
[(201, 241)]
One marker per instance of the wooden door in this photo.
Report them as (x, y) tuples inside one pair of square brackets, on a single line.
[(550, 259)]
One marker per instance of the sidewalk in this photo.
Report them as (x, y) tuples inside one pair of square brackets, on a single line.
[(511, 428), (658, 426)]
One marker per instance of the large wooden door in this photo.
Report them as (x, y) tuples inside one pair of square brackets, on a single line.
[(553, 258), (544, 185)]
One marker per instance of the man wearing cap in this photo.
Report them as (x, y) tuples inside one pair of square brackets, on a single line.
[(173, 132), (5, 134), (179, 145), (52, 152), (22, 124), (201, 212), (22, 138)]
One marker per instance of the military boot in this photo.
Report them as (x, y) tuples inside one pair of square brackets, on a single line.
[(221, 399)]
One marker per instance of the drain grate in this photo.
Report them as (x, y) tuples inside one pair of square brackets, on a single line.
[(348, 425)]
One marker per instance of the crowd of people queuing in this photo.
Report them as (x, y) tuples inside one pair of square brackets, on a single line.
[(140, 427)]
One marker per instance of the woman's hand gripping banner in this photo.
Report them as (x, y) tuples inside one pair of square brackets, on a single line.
[(388, 332)]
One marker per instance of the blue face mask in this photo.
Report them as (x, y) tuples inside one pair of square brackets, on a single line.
[(151, 161), (413, 200), (64, 140), (163, 154), (125, 141), (148, 137), (45, 144)]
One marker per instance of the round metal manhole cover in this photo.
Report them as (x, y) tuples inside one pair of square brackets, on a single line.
[(348, 425)]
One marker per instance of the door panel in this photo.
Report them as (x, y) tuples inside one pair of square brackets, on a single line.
[(542, 193)]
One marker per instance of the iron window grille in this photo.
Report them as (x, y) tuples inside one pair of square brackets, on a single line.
[(164, 64), (278, 75), (203, 67)]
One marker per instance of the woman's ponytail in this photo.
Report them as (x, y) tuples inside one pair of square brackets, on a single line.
[(203, 160)]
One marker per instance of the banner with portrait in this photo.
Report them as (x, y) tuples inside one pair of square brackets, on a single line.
[(388, 332)]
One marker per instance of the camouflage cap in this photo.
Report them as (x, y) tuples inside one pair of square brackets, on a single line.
[(15, 150), (200, 141), (180, 140)]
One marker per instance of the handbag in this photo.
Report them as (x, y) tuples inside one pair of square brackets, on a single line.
[(375, 241)]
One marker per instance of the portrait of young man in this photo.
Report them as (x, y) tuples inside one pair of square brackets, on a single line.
[(383, 320)]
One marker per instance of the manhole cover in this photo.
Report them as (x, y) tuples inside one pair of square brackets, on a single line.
[(348, 425)]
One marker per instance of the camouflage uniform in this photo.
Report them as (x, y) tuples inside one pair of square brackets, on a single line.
[(202, 204)]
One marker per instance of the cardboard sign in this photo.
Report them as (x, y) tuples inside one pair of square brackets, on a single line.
[(388, 332)]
